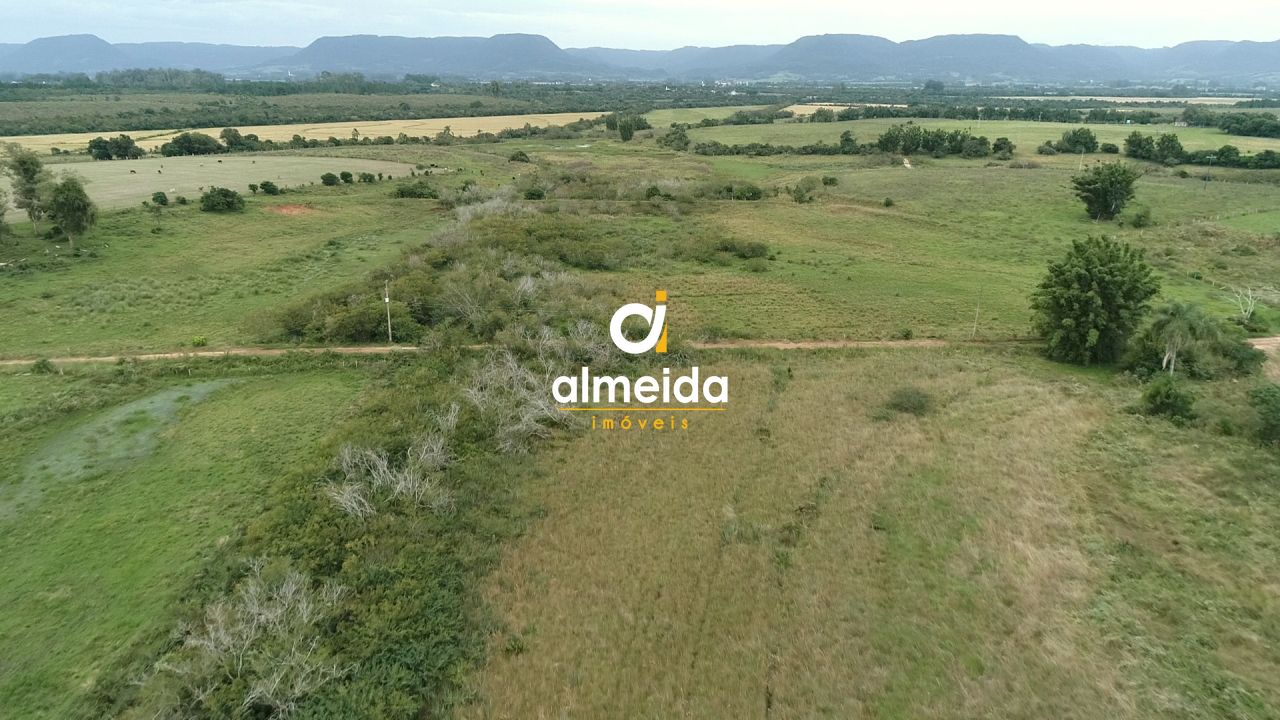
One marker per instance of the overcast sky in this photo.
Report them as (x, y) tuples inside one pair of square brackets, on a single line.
[(647, 24)]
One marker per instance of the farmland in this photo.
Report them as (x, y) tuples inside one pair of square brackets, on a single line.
[(1016, 538), (283, 132)]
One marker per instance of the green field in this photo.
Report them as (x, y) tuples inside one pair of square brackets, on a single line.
[(1021, 540), (113, 512), (202, 274), (122, 184), (1026, 135)]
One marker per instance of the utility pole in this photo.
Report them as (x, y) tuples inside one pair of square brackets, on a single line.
[(386, 301)]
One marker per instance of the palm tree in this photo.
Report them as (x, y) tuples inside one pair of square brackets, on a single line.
[(1180, 325)]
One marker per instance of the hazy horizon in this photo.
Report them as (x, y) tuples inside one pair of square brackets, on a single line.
[(658, 25)]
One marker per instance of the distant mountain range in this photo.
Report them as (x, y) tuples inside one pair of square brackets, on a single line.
[(858, 58)]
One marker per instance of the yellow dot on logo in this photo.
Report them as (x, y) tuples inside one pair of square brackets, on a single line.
[(660, 296)]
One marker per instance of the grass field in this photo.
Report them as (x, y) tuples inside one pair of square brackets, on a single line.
[(1019, 543), (120, 184), (1026, 135), (663, 118), (203, 274), (151, 139), (113, 512), (1022, 551)]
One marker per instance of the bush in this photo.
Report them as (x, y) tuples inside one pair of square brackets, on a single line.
[(804, 191), (367, 177), (181, 200), (1046, 149), (830, 180), (757, 265), (253, 188), (519, 156), (1266, 401), (269, 188), (535, 193), (1164, 398), (43, 367), (420, 189), (347, 177), (199, 341), (1109, 148), (1141, 217), (1091, 301), (160, 199), (910, 400), (329, 179), (887, 202), (221, 200)]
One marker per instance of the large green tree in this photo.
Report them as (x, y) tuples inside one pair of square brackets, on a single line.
[(71, 208), (1090, 302), (1106, 189), (30, 181)]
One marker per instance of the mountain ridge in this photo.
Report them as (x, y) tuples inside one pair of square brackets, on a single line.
[(983, 58)]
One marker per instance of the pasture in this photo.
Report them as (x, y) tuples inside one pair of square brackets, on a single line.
[(151, 139), (126, 183), (1026, 135), (1019, 541), (109, 512), (1024, 549)]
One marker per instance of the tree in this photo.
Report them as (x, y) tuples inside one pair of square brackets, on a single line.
[(626, 128), (1180, 325), (329, 179), (347, 177), (1139, 146), (71, 208), (934, 86), (1078, 140), (1089, 303), (1003, 146), (191, 143), (4, 206), (1105, 189), (1169, 149), (253, 188), (159, 198), (269, 188), (218, 199), (30, 182)]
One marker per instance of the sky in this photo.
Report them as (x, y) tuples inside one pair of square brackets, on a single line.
[(647, 24)]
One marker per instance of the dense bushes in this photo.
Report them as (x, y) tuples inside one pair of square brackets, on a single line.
[(191, 143), (1163, 397), (219, 199), (415, 189), (1266, 401)]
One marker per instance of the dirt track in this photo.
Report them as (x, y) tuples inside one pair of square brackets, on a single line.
[(1271, 345)]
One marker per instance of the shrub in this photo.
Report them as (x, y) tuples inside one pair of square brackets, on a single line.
[(367, 177), (347, 177), (1046, 149), (910, 400), (519, 156), (757, 264), (830, 180), (43, 367), (1266, 401), (181, 200), (903, 334), (1109, 148), (1105, 189), (1141, 217), (804, 191), (160, 199), (329, 179), (535, 193), (221, 200), (420, 189), (1091, 301), (269, 188), (887, 202), (253, 188), (199, 341), (1164, 398), (747, 191)]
